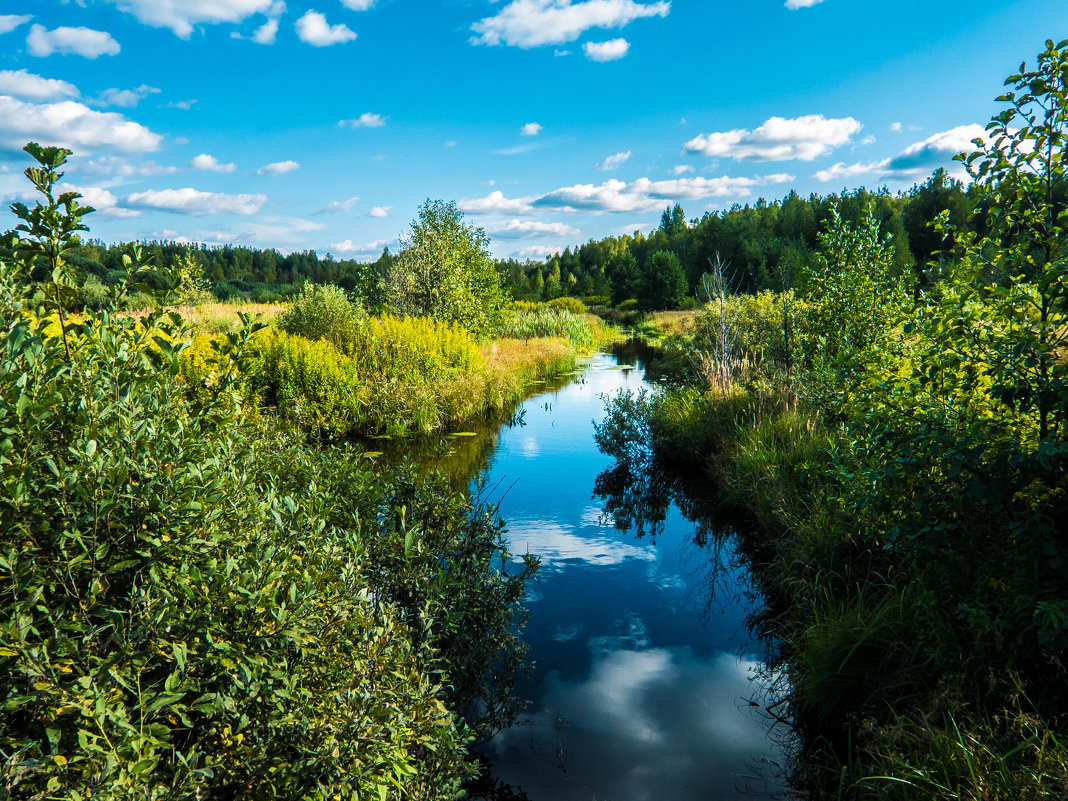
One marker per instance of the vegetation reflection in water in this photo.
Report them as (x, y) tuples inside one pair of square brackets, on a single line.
[(642, 659)]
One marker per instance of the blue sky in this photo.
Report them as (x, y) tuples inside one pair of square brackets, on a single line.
[(323, 124)]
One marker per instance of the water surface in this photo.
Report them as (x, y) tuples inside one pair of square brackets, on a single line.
[(643, 663)]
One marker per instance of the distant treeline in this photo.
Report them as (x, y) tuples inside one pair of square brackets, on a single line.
[(763, 244)]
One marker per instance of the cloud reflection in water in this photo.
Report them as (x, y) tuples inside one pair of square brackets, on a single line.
[(643, 725)]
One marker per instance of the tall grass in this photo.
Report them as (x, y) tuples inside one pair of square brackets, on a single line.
[(397, 376)]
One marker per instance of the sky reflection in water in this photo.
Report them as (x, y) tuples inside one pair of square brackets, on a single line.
[(643, 663)]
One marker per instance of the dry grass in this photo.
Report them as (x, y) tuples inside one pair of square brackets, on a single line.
[(218, 318), (672, 322)]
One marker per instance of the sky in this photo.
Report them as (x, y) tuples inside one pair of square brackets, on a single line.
[(324, 124)]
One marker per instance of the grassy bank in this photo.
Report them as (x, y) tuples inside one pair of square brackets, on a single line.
[(330, 368), (903, 457)]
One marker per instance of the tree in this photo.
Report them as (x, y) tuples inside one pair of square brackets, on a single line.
[(663, 282), (1018, 266), (444, 270)]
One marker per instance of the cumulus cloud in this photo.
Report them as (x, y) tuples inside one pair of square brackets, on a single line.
[(640, 196), (71, 41), (349, 248), (313, 29), (495, 203), (531, 129), (522, 229), (102, 201), (379, 211), (532, 23), (895, 127), (181, 15), (793, 5), (119, 167), (778, 139), (365, 120), (192, 201), (8, 22), (934, 151), (209, 163), (126, 98), (341, 206), (358, 5), (612, 50), (28, 86), (681, 169), (536, 252), (72, 125), (279, 167), (843, 170), (266, 33), (612, 162)]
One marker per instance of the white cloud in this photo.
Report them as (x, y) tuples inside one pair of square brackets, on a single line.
[(278, 167), (348, 247), (522, 229), (495, 203), (365, 120), (640, 196), (557, 546), (340, 206), (71, 41), (266, 33), (102, 201), (72, 125), (28, 86), (793, 5), (895, 126), (126, 98), (778, 139), (612, 162), (8, 22), (379, 211), (843, 170), (921, 158), (531, 129), (358, 5), (612, 50), (531, 23), (181, 15), (184, 105), (681, 169), (118, 167), (537, 252), (209, 163), (313, 29), (193, 201)]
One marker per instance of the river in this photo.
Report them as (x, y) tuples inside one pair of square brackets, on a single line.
[(645, 683)]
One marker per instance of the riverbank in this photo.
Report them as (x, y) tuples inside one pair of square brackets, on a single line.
[(362, 376), (918, 669)]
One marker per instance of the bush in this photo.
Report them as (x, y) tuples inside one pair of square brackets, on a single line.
[(323, 312), (573, 305)]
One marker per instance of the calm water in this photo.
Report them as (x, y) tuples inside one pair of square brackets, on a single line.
[(643, 663)]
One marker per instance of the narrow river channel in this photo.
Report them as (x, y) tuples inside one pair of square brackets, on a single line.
[(643, 664)]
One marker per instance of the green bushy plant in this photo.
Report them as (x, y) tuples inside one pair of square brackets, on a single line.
[(323, 312)]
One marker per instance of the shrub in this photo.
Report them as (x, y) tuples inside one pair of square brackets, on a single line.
[(323, 312), (573, 305)]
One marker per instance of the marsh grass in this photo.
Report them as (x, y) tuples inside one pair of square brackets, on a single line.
[(397, 377)]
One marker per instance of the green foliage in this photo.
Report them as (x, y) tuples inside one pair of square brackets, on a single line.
[(197, 605), (323, 312), (573, 305), (527, 321), (444, 271), (854, 289), (663, 283)]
